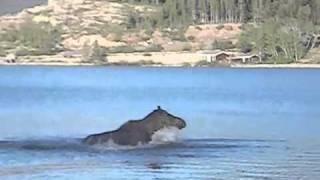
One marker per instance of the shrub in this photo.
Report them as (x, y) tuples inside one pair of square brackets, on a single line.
[(283, 60), (222, 45), (219, 27), (2, 52), (98, 53), (191, 38), (33, 52), (178, 35), (23, 52), (9, 36), (146, 38), (154, 48), (40, 36), (147, 62), (202, 63), (198, 28), (150, 48), (121, 49), (245, 47), (117, 37), (186, 64), (149, 32), (94, 53), (138, 63), (229, 28), (147, 54), (132, 20), (187, 47), (116, 31)]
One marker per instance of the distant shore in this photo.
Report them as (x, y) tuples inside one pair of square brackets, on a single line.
[(153, 59), (242, 66)]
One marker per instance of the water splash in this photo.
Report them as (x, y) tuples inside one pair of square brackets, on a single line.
[(165, 136)]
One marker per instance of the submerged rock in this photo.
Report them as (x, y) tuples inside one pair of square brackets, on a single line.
[(137, 132), (154, 166)]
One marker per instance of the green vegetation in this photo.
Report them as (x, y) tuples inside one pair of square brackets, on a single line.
[(2, 51), (121, 49), (177, 34), (222, 45), (138, 63), (278, 30), (187, 47), (186, 64), (204, 63), (286, 32), (130, 49), (181, 12), (98, 53), (33, 38), (114, 29), (94, 53)]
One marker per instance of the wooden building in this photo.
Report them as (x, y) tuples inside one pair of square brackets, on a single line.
[(215, 56), (245, 59)]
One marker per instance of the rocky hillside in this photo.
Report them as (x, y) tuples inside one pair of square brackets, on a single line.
[(107, 22)]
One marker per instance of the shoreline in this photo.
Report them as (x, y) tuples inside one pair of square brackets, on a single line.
[(238, 66), (277, 66), (151, 59)]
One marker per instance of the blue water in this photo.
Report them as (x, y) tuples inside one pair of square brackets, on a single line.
[(15, 6), (242, 123)]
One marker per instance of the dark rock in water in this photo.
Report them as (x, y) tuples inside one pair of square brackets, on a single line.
[(154, 166), (186, 155), (138, 131)]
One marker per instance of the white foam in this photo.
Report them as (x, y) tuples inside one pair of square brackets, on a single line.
[(165, 136)]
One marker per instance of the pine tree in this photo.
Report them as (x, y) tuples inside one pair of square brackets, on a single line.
[(97, 54)]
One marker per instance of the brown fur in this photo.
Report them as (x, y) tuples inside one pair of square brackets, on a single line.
[(139, 131)]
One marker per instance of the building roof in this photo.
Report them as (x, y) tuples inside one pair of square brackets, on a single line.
[(244, 56), (213, 52)]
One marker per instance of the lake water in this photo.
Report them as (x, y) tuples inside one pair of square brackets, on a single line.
[(15, 6), (242, 123)]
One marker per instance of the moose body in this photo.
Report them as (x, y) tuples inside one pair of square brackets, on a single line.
[(137, 132)]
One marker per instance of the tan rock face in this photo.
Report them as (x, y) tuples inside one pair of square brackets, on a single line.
[(158, 38), (203, 33), (78, 43)]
